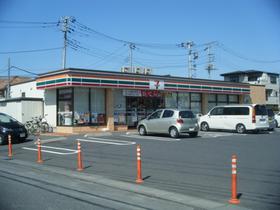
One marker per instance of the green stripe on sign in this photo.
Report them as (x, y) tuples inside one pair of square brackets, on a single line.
[(206, 87), (170, 85), (109, 81), (60, 80), (141, 83), (76, 80), (228, 89), (183, 86), (41, 83), (194, 87), (217, 88), (50, 82), (91, 80), (126, 83)]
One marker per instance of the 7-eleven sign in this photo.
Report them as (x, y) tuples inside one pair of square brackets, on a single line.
[(156, 85)]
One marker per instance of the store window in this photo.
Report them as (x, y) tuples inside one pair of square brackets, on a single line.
[(81, 106), (119, 108), (222, 100), (196, 102), (212, 101), (171, 100), (183, 101), (65, 106), (97, 106), (233, 99)]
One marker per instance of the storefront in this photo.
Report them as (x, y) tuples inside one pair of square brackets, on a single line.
[(112, 99)]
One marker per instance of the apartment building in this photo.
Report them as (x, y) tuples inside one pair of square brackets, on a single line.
[(256, 77)]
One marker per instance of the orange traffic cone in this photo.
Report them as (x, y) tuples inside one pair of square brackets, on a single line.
[(139, 179), (39, 158), (234, 199), (80, 162), (10, 147)]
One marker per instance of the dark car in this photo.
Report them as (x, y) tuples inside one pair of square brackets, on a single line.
[(9, 125)]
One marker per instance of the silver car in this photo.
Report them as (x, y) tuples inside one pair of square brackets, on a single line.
[(169, 121)]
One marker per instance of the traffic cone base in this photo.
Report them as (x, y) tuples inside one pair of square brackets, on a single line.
[(139, 181), (234, 201)]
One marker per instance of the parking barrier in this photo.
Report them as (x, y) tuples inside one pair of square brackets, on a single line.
[(80, 162), (234, 199), (139, 179), (10, 147), (39, 158)]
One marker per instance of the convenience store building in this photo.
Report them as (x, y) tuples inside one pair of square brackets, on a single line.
[(77, 100)]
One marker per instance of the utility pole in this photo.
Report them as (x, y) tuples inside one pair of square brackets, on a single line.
[(65, 29), (191, 57), (131, 47), (210, 65), (9, 79)]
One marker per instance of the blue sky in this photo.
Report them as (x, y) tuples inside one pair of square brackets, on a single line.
[(247, 34)]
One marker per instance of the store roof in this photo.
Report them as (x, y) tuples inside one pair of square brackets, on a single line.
[(134, 75)]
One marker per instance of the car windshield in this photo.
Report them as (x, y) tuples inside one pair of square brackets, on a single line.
[(6, 118), (186, 114), (260, 110)]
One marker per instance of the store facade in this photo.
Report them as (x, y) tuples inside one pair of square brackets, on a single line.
[(112, 100)]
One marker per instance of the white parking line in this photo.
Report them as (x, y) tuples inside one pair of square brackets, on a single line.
[(71, 151), (107, 141), (155, 138)]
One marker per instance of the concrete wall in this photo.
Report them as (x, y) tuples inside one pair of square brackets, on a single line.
[(13, 109), (50, 106), (29, 88), (257, 94)]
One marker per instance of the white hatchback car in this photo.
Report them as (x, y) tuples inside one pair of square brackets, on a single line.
[(169, 121)]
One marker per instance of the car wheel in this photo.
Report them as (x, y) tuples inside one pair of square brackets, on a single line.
[(173, 132), (142, 130), (193, 134), (240, 128), (204, 126)]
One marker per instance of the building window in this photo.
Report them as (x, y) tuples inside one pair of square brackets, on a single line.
[(273, 79), (171, 100), (196, 103), (183, 101), (97, 104), (234, 78), (65, 106), (81, 106), (252, 78)]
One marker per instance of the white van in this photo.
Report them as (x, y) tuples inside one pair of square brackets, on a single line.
[(236, 117)]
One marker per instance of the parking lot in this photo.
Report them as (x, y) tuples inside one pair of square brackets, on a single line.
[(198, 166)]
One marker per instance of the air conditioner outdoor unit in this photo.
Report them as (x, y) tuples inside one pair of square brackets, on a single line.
[(125, 69), (147, 71)]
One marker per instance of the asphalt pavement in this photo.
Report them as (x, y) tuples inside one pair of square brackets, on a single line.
[(196, 167)]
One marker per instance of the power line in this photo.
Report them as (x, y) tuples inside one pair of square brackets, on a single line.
[(24, 70), (26, 22), (31, 51), (232, 52)]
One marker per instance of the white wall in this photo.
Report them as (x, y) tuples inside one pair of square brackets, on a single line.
[(50, 106), (13, 109), (29, 88), (31, 109)]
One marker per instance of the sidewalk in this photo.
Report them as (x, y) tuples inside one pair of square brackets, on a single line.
[(108, 192)]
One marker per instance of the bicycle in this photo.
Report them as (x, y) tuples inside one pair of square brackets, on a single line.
[(37, 125)]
